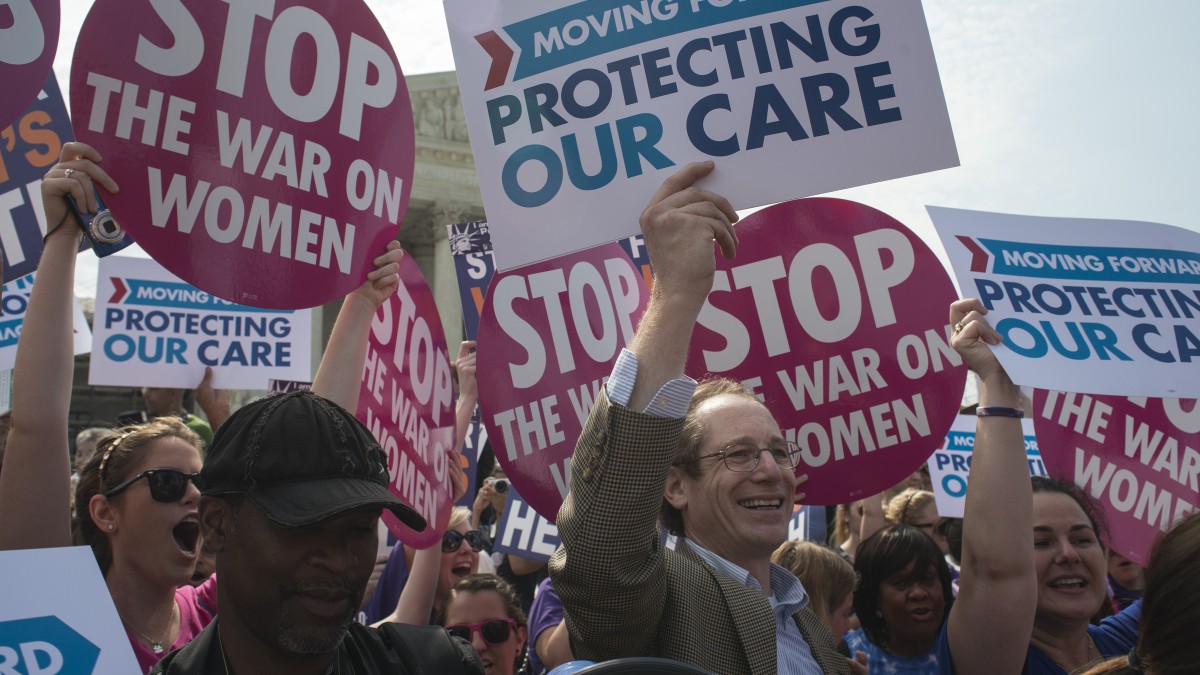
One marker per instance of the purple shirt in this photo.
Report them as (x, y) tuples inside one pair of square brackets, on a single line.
[(387, 592), (546, 612)]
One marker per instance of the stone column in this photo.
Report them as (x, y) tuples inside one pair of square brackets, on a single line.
[(444, 279)]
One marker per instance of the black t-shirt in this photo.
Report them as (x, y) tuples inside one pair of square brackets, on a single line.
[(393, 649)]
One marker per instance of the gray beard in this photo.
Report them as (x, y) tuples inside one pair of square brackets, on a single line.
[(310, 642)]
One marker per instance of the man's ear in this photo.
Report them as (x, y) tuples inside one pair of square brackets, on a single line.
[(676, 489), (216, 520)]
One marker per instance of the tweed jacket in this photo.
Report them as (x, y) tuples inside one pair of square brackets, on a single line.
[(624, 593)]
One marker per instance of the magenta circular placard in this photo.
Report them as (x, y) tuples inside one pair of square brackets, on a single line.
[(262, 151), (1138, 457), (28, 42), (548, 337), (836, 314), (407, 401)]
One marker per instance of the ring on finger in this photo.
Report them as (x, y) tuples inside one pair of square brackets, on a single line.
[(958, 327), (68, 172)]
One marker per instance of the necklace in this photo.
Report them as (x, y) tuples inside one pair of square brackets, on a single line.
[(156, 646), (1090, 657)]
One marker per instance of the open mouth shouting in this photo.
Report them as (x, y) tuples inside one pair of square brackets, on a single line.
[(462, 569), (187, 535)]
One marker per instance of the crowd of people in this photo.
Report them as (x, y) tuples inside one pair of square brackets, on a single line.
[(255, 549)]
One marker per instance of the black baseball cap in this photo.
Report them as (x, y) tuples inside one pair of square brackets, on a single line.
[(301, 459)]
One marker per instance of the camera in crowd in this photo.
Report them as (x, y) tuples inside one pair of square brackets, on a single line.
[(498, 484), (101, 230)]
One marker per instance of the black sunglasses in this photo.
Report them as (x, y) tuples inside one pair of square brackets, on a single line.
[(452, 539), (166, 485), (494, 631)]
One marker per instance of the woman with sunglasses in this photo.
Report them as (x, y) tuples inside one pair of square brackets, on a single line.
[(485, 610), (136, 505), (414, 583), (136, 502)]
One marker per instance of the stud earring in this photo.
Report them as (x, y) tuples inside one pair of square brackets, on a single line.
[(111, 527)]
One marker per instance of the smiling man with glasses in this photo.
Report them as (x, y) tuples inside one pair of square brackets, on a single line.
[(710, 460)]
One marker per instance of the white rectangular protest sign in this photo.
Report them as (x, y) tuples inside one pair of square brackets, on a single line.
[(578, 112), (1092, 306), (950, 465), (152, 329), (16, 301), (57, 615)]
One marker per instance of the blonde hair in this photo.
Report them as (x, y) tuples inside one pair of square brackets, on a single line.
[(901, 508), (458, 516), (826, 576), (841, 528)]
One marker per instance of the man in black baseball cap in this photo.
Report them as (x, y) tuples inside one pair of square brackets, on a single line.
[(293, 489)]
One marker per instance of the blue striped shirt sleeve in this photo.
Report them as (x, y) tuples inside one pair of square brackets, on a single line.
[(670, 401)]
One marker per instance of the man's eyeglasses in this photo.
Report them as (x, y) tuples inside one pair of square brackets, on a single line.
[(166, 485), (743, 457), (494, 631), (452, 539)]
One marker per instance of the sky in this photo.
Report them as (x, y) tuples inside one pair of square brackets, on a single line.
[(1060, 108)]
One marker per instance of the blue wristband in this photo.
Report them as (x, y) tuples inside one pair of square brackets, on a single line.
[(998, 411)]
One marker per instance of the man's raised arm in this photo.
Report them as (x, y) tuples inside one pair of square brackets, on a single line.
[(679, 226)]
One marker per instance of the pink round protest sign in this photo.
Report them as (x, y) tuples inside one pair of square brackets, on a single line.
[(263, 152), (407, 401), (28, 42), (548, 337), (836, 314), (1139, 458)]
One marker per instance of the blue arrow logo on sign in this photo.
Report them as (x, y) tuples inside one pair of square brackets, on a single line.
[(45, 646)]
